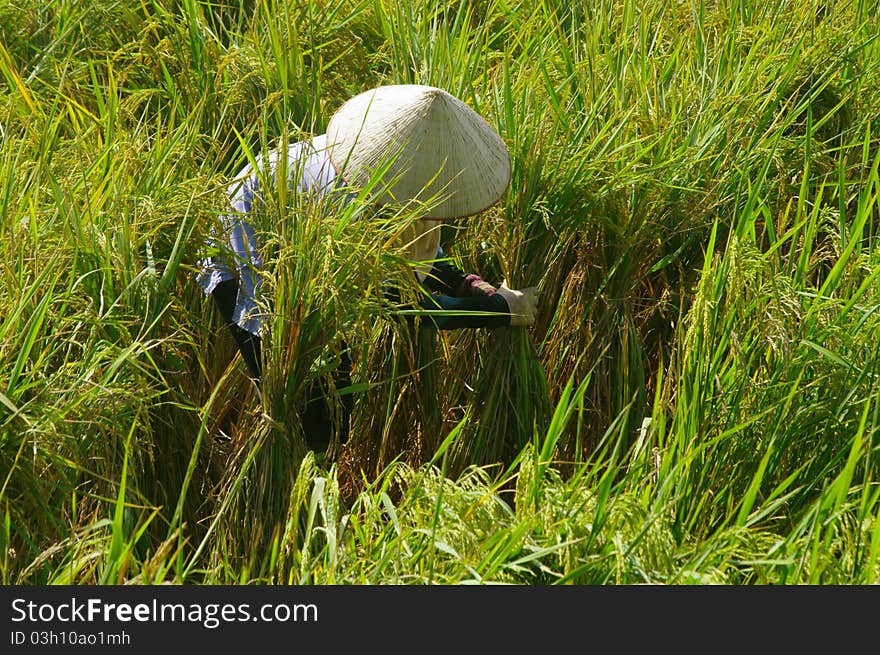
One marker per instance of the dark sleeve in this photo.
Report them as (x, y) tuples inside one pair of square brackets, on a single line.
[(445, 278), (451, 302), (463, 312), (441, 312)]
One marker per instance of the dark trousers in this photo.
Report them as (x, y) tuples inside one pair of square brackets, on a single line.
[(225, 295), (318, 409)]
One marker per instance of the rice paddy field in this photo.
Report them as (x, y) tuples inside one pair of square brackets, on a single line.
[(694, 190)]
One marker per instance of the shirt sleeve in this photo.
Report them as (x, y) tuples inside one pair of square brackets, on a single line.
[(309, 165), (453, 301), (447, 279), (451, 313)]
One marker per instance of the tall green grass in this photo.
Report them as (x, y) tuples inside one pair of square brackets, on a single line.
[(694, 192)]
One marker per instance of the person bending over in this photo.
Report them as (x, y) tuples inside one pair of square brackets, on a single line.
[(432, 146)]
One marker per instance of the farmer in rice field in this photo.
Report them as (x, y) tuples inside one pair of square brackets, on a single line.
[(438, 147)]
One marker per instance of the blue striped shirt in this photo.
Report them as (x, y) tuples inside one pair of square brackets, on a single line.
[(309, 161)]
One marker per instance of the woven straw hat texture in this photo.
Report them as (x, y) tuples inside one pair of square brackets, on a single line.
[(438, 150)]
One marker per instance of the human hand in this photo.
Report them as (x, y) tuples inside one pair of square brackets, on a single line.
[(523, 303), (474, 285)]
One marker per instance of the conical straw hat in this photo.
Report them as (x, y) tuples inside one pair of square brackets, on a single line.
[(441, 152)]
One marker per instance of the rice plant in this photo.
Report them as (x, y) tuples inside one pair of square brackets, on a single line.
[(695, 193)]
